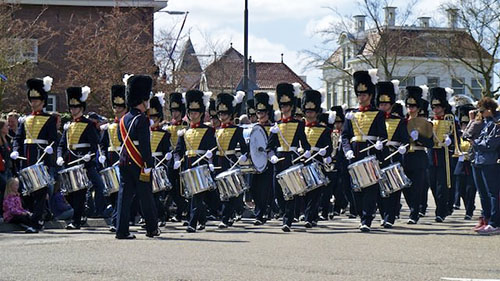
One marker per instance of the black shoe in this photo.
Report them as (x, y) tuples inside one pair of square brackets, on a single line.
[(456, 207), (364, 228), (257, 222), (387, 225), (174, 219), (71, 226), (211, 218), (412, 221), (439, 219), (157, 232), (314, 223), (128, 236), (112, 229), (162, 224), (308, 224), (230, 222), (352, 216), (285, 228), (201, 227), (31, 230), (323, 218), (467, 217), (421, 214), (222, 225), (190, 229), (185, 223)]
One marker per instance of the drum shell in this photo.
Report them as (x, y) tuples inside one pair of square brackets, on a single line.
[(393, 179), (159, 180), (315, 176), (231, 184), (196, 180), (73, 179), (364, 173), (293, 181), (35, 177), (111, 179)]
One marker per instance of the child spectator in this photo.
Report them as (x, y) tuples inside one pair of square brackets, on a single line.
[(13, 211)]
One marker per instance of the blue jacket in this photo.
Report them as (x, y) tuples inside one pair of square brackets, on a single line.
[(487, 144)]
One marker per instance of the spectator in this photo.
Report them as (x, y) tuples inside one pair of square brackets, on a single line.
[(5, 161), (59, 206), (13, 211)]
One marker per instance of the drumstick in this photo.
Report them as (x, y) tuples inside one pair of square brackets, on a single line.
[(163, 159), (202, 157), (43, 155), (315, 154), (78, 160), (394, 153), (371, 146), (237, 162), (22, 158), (298, 158)]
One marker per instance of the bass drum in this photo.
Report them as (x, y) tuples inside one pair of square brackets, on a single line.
[(256, 137)]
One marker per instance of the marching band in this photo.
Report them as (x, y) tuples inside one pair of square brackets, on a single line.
[(301, 162)]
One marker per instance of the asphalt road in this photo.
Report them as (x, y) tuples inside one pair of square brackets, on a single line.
[(335, 250)]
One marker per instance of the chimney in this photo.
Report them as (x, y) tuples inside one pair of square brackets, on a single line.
[(424, 22), (452, 17), (390, 16), (359, 23)]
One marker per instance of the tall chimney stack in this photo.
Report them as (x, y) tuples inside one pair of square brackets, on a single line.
[(390, 16), (452, 18), (359, 23), (424, 22)]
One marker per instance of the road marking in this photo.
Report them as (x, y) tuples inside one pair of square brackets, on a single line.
[(467, 279)]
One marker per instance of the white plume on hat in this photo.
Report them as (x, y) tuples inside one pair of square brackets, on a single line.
[(272, 98), (296, 89), (403, 104), (373, 74), (126, 77), (47, 83), (240, 95), (277, 115), (85, 93), (344, 107), (161, 98), (331, 116), (184, 97), (425, 91), (206, 99), (395, 82), (449, 92)]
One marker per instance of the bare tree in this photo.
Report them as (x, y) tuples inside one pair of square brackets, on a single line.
[(103, 49), (475, 42), (19, 42)]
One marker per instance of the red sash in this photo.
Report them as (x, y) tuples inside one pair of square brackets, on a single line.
[(133, 152)]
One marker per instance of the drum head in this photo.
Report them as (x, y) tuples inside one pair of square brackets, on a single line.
[(257, 145)]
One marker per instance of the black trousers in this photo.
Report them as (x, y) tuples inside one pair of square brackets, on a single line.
[(261, 187), (130, 185), (440, 191), (466, 190), (413, 194), (366, 203), (288, 206), (77, 201), (388, 206), (39, 199), (175, 193), (198, 213), (312, 204)]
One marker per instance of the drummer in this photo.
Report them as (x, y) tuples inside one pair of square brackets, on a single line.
[(32, 140), (111, 142), (136, 161), (214, 118), (196, 142), (251, 112), (318, 136), (397, 140), (416, 162), (77, 146), (177, 109), (228, 137), (160, 148), (284, 141), (261, 185), (363, 127)]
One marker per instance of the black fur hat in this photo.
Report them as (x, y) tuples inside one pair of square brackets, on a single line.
[(118, 95), (156, 105), (176, 102), (386, 92), (364, 81), (251, 107), (287, 93), (38, 88), (224, 103), (77, 96), (138, 89), (311, 100), (339, 117), (195, 101)]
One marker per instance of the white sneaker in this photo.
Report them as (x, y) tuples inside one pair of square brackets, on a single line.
[(489, 230)]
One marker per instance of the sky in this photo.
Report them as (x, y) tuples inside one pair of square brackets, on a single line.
[(275, 27)]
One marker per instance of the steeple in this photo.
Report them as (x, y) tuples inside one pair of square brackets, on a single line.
[(188, 61)]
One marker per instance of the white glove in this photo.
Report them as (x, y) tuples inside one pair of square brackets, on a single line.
[(274, 159), (379, 145), (349, 155), (307, 154), (147, 170), (349, 115), (86, 158), (242, 158), (402, 150), (447, 141), (275, 129), (177, 164), (208, 154), (60, 161), (48, 150), (414, 135), (14, 155), (151, 122), (168, 156), (322, 152), (327, 160), (102, 159), (104, 127), (211, 167)]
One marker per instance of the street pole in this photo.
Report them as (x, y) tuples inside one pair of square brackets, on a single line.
[(245, 71)]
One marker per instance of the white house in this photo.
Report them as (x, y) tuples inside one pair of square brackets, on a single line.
[(418, 57)]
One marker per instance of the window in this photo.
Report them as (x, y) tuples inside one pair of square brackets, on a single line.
[(477, 86), (432, 82), (458, 86), (344, 57), (329, 94), (51, 103), (24, 49)]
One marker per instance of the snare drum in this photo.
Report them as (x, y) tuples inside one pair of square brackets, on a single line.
[(196, 180), (111, 179), (231, 184), (293, 181), (364, 173), (35, 177), (393, 178), (316, 175), (73, 179), (160, 180)]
